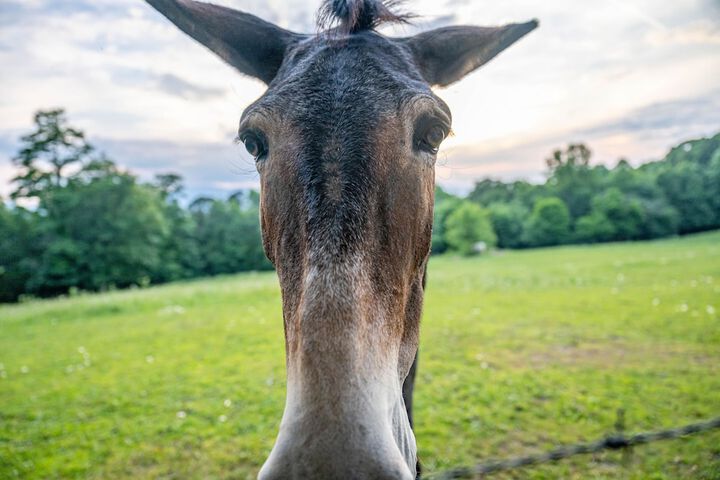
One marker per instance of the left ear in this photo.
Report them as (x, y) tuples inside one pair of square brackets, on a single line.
[(445, 55), (253, 46)]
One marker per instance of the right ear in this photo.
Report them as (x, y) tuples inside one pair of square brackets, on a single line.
[(445, 55), (253, 46)]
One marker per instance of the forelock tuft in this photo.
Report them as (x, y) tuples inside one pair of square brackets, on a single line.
[(351, 16)]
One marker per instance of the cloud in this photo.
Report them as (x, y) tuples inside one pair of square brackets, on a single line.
[(168, 83), (156, 100), (704, 32), (675, 116), (175, 85), (644, 134), (209, 168)]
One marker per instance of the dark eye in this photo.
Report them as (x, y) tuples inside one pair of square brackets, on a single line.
[(435, 136), (431, 138), (254, 144)]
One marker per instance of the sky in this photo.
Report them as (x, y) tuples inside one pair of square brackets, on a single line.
[(630, 78)]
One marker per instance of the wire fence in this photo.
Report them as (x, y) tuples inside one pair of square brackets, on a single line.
[(617, 441)]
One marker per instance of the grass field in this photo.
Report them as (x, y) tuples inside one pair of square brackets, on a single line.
[(519, 351)]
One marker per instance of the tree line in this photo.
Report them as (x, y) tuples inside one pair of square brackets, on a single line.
[(89, 225), (584, 203), (76, 221)]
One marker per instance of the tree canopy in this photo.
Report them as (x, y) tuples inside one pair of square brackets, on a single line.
[(94, 226)]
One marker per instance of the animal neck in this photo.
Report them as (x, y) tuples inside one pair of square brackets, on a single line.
[(344, 386)]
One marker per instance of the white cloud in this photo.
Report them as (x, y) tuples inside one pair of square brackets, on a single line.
[(702, 32), (126, 75)]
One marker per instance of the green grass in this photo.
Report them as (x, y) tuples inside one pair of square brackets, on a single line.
[(519, 351)]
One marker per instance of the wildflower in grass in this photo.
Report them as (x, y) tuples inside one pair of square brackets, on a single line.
[(655, 302), (172, 310), (181, 414), (683, 307), (710, 310), (149, 359), (227, 403), (222, 418), (24, 369)]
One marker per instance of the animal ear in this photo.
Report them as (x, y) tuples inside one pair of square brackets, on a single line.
[(445, 55), (253, 46)]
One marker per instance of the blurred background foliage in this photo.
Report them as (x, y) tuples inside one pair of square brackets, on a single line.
[(76, 221)]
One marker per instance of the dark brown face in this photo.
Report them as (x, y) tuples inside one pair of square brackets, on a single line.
[(345, 140)]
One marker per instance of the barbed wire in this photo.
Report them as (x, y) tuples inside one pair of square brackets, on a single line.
[(611, 442)]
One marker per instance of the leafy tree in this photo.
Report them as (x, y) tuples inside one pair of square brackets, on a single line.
[(102, 233), (507, 221), (468, 225), (572, 180), (445, 204), (170, 185), (549, 223), (48, 154), (179, 254), (660, 218), (633, 182), (488, 192), (575, 155), (699, 152), (594, 227), (688, 188), (624, 213), (228, 237), (713, 186), (18, 250)]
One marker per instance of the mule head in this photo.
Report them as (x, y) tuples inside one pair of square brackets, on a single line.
[(345, 140)]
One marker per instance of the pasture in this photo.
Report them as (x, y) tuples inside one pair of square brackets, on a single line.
[(519, 350)]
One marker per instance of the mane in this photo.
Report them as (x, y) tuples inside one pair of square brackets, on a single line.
[(352, 16)]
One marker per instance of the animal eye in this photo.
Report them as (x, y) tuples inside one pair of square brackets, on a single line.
[(254, 144), (435, 136), (431, 139)]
